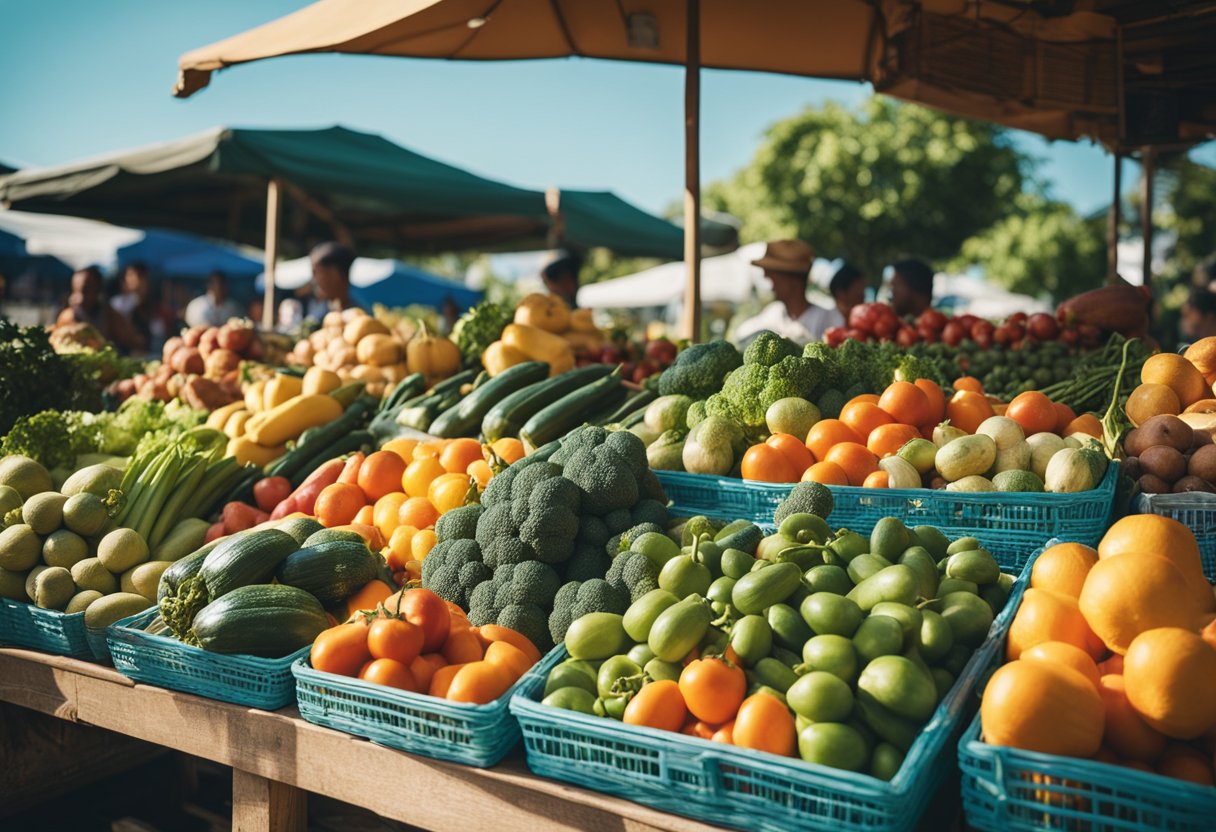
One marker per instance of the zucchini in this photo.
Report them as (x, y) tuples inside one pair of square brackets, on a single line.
[(421, 415), (465, 416), (249, 558), (568, 412), (407, 388), (181, 570), (331, 572), (601, 413), (454, 383), (300, 528), (267, 620), (508, 415), (632, 405)]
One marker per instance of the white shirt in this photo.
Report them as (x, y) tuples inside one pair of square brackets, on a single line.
[(806, 328), (203, 311)]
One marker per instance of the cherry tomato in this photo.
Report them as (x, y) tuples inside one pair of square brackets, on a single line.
[(390, 673), (1042, 326), (953, 333), (835, 336), (906, 336), (342, 649), (426, 610), (394, 638), (932, 319), (268, 492)]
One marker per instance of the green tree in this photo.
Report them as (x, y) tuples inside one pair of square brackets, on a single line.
[(874, 183), (1043, 246)]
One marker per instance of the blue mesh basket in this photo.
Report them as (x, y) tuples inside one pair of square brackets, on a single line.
[(166, 662), (738, 787), (1008, 524), (49, 631), (1196, 511), (476, 735)]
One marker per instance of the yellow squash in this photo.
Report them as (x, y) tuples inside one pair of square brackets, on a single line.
[(290, 419), (281, 388), (246, 450), (432, 355), (320, 380), (539, 345), (547, 312)]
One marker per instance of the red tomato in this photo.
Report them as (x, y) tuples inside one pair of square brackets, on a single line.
[(885, 328), (907, 336), (268, 492), (862, 317), (954, 333), (1043, 326), (929, 336), (858, 335), (933, 320), (835, 336), (342, 649), (427, 611), (1017, 318)]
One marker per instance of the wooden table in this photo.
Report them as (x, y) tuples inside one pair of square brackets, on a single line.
[(276, 757)]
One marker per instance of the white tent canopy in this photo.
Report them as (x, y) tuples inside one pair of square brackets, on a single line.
[(980, 297), (77, 242), (365, 271)]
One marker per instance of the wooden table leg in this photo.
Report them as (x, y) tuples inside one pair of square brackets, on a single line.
[(261, 805)]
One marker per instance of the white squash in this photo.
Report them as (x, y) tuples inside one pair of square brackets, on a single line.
[(1043, 447), (900, 473), (1002, 430), (1068, 472)]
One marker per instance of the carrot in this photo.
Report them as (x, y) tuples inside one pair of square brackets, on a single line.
[(304, 498)]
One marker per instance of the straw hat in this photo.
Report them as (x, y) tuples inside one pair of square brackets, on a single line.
[(788, 256)]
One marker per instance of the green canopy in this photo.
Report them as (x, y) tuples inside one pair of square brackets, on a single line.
[(601, 218)]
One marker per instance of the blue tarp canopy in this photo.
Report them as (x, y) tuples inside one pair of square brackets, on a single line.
[(389, 282)]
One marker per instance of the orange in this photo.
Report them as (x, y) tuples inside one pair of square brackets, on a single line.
[(967, 410), (399, 547), (1185, 763), (384, 517), (1127, 595), (935, 397), (1126, 733), (1166, 537), (365, 516), (863, 417), (877, 479), (826, 473), (403, 448), (828, 432), (1178, 374), (1033, 411), (793, 449), (417, 512), (1045, 616), (1065, 655), (480, 471), (866, 398), (1149, 400), (970, 383), (459, 454), (1038, 706), (886, 440), (449, 491), (1064, 418), (1085, 423), (856, 460), (431, 447), (422, 543), (381, 474), (338, 503), (904, 402), (767, 464), (418, 475), (1062, 569), (509, 449), (1168, 674), (1202, 354)]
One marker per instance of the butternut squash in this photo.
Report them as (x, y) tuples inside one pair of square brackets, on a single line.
[(543, 311), (290, 419), (539, 345)]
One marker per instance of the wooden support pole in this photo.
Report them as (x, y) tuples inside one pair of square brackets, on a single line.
[(1112, 223), (692, 174), (261, 805), (1147, 162), (272, 252)]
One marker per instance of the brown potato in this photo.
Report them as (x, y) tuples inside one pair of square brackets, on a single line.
[(1166, 430), (1163, 462), (1193, 484)]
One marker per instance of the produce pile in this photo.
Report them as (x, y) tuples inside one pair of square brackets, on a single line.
[(1112, 655), (807, 642)]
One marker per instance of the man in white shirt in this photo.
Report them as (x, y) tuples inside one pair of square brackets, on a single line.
[(787, 265), (213, 308)]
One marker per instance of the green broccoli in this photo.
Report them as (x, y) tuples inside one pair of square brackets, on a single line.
[(498, 489), (593, 531), (649, 511), (498, 537), (699, 369), (529, 621), (459, 523), (809, 497), (634, 573), (588, 561), (748, 391), (621, 542), (482, 609), (696, 414), (768, 348), (605, 478), (529, 582), (574, 600), (551, 520), (831, 402), (617, 521), (586, 438), (453, 568)]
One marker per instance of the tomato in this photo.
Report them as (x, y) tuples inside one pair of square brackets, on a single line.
[(953, 333), (268, 492), (885, 328), (967, 321), (1003, 335), (857, 335), (1068, 336), (929, 336), (389, 673), (509, 657), (426, 610), (765, 724), (835, 336), (657, 705), (424, 668), (462, 646), (697, 728), (441, 680), (713, 689), (1017, 318), (489, 633), (1042, 326), (479, 683), (906, 336), (394, 638), (862, 317), (342, 649), (932, 320), (725, 734)]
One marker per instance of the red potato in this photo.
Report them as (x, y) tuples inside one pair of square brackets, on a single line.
[(193, 335), (237, 517), (221, 361), (171, 346), (235, 337), (210, 342), (268, 492)]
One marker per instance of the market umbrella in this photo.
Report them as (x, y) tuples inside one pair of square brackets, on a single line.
[(388, 282)]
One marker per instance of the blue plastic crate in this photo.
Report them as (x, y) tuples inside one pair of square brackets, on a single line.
[(476, 735), (1196, 511), (166, 662), (1008, 789), (738, 787), (49, 631), (1008, 524)]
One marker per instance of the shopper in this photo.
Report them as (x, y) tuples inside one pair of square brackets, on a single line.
[(911, 287), (331, 263), (787, 265), (87, 306), (561, 277), (848, 288), (1199, 315), (215, 307)]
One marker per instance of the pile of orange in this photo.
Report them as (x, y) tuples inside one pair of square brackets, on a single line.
[(403, 488), (1112, 655)]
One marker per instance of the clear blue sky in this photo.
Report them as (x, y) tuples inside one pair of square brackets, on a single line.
[(82, 77)]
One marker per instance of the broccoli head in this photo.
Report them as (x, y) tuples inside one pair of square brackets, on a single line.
[(529, 621), (696, 414), (628, 448), (649, 511), (634, 573), (498, 489), (452, 570), (498, 537), (748, 392), (482, 607), (594, 531), (549, 532), (809, 497), (699, 369), (529, 582), (831, 402), (459, 523), (768, 348), (617, 521), (588, 561), (621, 542), (585, 438), (574, 600), (605, 477)]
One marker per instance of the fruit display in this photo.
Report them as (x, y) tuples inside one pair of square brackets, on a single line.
[(413, 640), (1112, 654), (807, 642)]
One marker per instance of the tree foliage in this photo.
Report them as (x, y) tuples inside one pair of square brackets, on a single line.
[(874, 183)]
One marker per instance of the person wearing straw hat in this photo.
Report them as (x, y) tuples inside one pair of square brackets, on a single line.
[(787, 265)]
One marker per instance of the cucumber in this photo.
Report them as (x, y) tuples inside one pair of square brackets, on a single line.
[(244, 559), (331, 572), (267, 620), (568, 412), (465, 417), (407, 388), (602, 413), (634, 403), (508, 415), (181, 570)]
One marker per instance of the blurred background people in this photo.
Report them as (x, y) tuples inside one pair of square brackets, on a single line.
[(87, 306), (787, 265), (911, 287), (150, 319), (213, 308), (1199, 314), (848, 289), (331, 264), (561, 277)]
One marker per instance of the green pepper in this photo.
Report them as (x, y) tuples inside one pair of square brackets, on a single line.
[(612, 707), (805, 528), (618, 676)]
